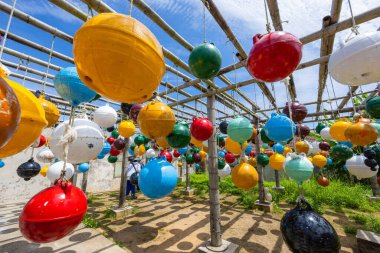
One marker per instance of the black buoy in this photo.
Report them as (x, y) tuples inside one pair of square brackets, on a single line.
[(28, 169), (223, 127), (126, 108), (305, 231)]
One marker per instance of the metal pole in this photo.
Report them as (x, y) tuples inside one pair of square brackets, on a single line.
[(181, 169), (123, 178), (215, 226), (75, 176), (277, 177), (187, 178), (84, 182), (260, 169)]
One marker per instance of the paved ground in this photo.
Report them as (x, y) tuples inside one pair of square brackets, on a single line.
[(81, 240)]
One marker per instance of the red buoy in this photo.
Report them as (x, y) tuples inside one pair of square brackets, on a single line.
[(53, 213), (201, 129), (176, 154), (167, 154), (274, 56), (230, 158)]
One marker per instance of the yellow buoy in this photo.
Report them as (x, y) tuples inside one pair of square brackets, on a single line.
[(110, 44), (252, 161), (320, 161), (196, 143), (156, 119), (244, 176), (302, 147), (234, 147), (126, 128), (51, 111), (203, 155), (31, 124), (338, 129), (162, 142), (287, 149), (139, 150), (44, 170), (276, 161)]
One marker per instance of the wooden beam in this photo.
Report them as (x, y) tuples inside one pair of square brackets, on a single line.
[(67, 6)]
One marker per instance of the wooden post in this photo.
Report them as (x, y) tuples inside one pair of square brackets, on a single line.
[(277, 177), (259, 167), (215, 227), (187, 178), (75, 176), (123, 178), (84, 182)]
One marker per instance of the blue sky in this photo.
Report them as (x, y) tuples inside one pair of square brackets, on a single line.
[(245, 17)]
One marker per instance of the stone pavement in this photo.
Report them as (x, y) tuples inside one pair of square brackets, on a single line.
[(82, 240)]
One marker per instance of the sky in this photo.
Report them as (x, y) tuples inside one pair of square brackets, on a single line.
[(245, 17)]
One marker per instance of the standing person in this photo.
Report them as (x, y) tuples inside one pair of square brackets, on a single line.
[(133, 167)]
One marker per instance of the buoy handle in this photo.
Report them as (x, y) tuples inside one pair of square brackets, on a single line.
[(256, 38)]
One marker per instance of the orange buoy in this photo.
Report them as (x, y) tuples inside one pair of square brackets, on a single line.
[(244, 176), (51, 111)]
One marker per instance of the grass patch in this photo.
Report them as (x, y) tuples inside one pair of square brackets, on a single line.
[(350, 230), (369, 222), (109, 213), (119, 243), (90, 221)]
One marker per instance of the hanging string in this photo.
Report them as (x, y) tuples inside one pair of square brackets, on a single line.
[(7, 29), (89, 12), (354, 27), (333, 89), (25, 72), (49, 62), (130, 8), (287, 88), (267, 17), (205, 5), (352, 99), (69, 136), (274, 94)]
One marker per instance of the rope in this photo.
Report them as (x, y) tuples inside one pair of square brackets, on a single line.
[(352, 99), (69, 136), (26, 71), (287, 88), (89, 10), (336, 101), (7, 29), (354, 27), (267, 17), (205, 5), (130, 8), (49, 62)]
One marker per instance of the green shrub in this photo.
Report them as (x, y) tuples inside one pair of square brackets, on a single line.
[(90, 221)]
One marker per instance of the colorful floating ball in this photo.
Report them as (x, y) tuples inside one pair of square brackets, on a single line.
[(221, 164), (150, 153), (156, 119), (118, 42), (83, 167), (87, 145), (126, 128), (32, 121), (105, 116), (197, 158), (183, 150), (299, 111), (338, 129), (361, 134), (263, 136), (157, 178), (302, 147), (41, 140), (189, 159), (244, 176), (51, 111), (125, 108), (304, 230), (139, 150), (53, 213), (372, 106), (278, 148), (112, 159), (320, 161), (114, 151), (45, 155), (71, 88), (325, 133), (323, 181), (221, 154), (44, 170), (325, 146), (115, 134), (11, 112), (54, 171), (180, 136), (240, 129), (201, 129), (119, 144), (162, 142), (319, 127), (139, 139), (168, 156), (356, 166), (28, 169), (280, 128), (276, 161), (302, 131), (274, 56), (341, 152), (298, 168), (134, 112), (223, 127), (205, 61), (263, 159)]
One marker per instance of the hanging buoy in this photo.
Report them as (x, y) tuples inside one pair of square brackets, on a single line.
[(276, 161), (125, 108), (28, 169), (85, 147), (320, 161), (279, 128), (263, 159), (357, 61), (156, 119), (263, 136), (157, 178), (139, 150), (119, 144), (341, 152), (299, 111), (234, 147), (323, 181), (126, 128), (372, 106), (304, 231), (53, 213), (41, 140), (319, 127), (180, 136), (278, 148), (205, 61), (150, 153), (201, 129), (134, 112), (360, 133), (325, 146), (10, 115), (112, 159), (116, 152), (302, 130), (162, 142), (298, 167), (118, 42), (51, 111), (229, 157), (71, 88), (240, 129), (302, 147), (274, 56), (110, 140), (244, 176), (176, 154), (325, 133), (45, 155), (32, 121), (54, 171), (105, 116), (83, 167), (223, 127), (197, 157), (338, 129), (357, 167), (168, 156)]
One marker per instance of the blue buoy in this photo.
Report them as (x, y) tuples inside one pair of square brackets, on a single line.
[(106, 149), (248, 149), (71, 88), (2, 164), (157, 178), (182, 151), (278, 148), (83, 167), (221, 154)]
